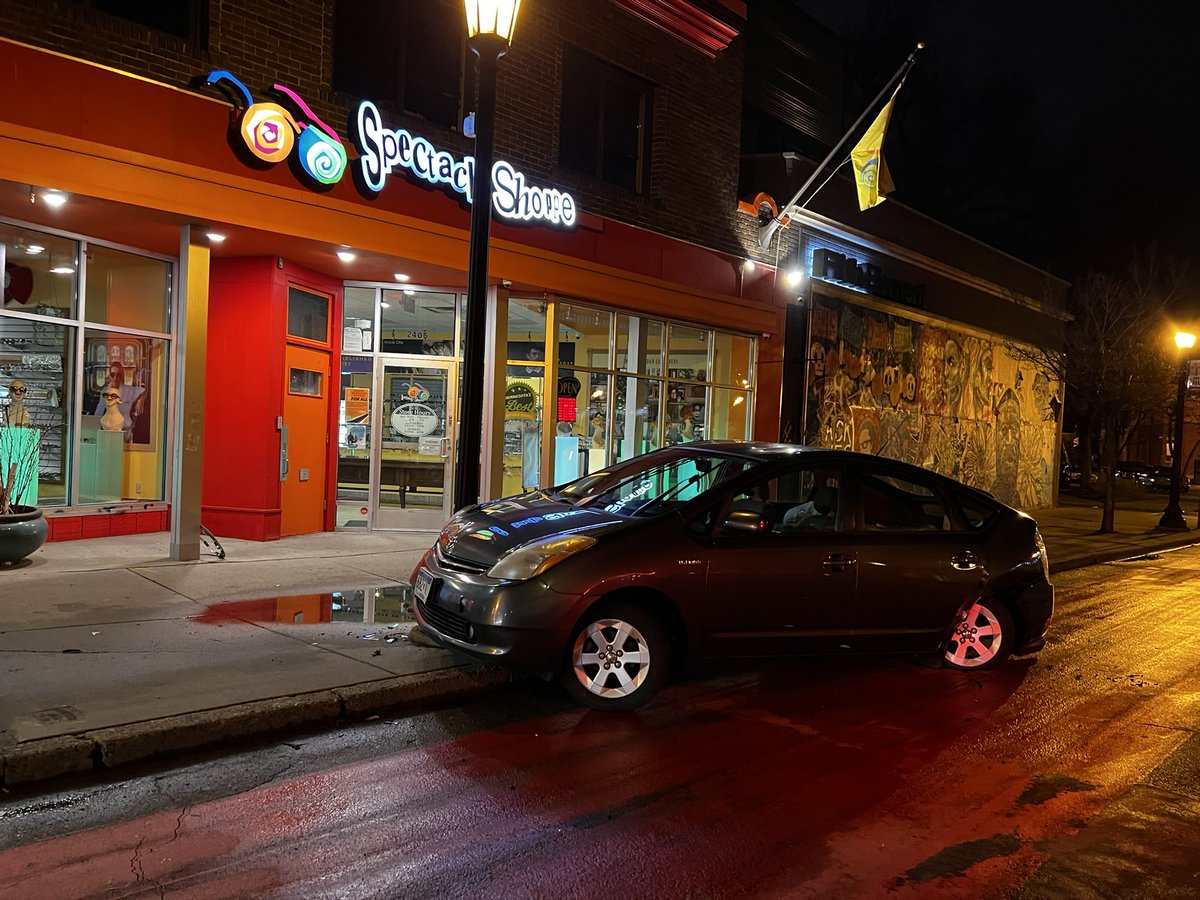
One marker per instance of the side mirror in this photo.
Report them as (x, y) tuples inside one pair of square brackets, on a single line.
[(745, 521)]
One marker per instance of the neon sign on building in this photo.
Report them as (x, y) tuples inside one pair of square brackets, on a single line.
[(269, 132)]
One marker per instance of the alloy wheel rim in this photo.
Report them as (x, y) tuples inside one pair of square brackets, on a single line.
[(611, 658), (976, 638)]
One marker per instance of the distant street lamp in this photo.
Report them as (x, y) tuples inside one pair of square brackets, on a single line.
[(490, 25), (1172, 516)]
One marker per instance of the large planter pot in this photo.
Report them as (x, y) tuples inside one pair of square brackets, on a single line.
[(22, 532)]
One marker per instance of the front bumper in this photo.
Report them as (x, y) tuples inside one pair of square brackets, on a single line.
[(519, 625), (1035, 606)]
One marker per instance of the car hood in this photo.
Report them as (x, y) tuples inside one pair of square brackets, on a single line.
[(485, 533)]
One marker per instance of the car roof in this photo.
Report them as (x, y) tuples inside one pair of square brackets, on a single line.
[(761, 451)]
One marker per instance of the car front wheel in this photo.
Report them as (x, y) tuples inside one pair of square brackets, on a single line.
[(983, 637), (619, 656)]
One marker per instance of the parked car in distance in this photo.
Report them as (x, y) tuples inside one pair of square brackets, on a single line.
[(1159, 479), (726, 549), (1133, 470)]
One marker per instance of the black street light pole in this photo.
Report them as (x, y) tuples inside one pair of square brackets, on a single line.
[(488, 46), (1172, 516)]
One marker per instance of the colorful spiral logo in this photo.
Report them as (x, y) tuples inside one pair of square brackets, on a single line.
[(322, 154), (322, 158), (269, 131)]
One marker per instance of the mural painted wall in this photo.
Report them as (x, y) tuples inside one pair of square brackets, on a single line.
[(944, 400)]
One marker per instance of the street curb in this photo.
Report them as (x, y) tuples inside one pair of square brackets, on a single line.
[(107, 748), (1067, 563)]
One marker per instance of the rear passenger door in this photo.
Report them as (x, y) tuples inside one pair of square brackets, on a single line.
[(916, 565), (787, 588)]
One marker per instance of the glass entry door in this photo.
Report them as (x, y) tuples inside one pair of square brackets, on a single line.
[(413, 425)]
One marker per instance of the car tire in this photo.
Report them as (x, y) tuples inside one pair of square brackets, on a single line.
[(617, 659), (982, 638)]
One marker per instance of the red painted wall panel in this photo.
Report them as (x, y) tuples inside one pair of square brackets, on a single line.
[(247, 331)]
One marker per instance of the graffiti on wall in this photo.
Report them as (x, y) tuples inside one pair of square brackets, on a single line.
[(947, 401)]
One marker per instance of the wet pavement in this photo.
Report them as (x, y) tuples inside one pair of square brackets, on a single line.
[(110, 653)]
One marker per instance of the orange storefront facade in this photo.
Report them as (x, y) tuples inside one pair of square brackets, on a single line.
[(291, 389)]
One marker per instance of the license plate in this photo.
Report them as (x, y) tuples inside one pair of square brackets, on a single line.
[(423, 586)]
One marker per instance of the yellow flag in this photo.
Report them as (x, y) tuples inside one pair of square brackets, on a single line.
[(870, 170)]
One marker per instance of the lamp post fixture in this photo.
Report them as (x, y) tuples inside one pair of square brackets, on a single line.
[(490, 26), (1172, 516)]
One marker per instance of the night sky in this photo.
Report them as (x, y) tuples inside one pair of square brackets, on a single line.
[(1062, 133)]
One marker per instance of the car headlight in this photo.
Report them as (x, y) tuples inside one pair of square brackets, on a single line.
[(1041, 546), (534, 559)]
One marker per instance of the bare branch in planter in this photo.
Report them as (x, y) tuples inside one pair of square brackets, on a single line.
[(19, 454)]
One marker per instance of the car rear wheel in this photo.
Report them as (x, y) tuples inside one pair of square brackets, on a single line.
[(981, 638), (619, 658)]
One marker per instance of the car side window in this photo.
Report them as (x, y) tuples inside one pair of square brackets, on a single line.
[(976, 513), (799, 500), (890, 503)]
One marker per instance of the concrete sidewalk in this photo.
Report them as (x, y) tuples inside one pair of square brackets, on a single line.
[(110, 653)]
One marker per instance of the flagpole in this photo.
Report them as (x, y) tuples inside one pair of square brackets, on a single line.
[(766, 232)]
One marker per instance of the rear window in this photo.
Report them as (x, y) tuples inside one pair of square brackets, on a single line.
[(890, 503)]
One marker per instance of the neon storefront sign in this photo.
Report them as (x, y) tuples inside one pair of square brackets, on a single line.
[(270, 132)]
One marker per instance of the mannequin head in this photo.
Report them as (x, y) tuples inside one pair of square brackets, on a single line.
[(16, 414)]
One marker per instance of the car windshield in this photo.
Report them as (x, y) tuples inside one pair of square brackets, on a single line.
[(654, 483)]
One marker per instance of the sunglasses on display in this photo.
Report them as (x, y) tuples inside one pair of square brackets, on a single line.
[(16, 390), (111, 396)]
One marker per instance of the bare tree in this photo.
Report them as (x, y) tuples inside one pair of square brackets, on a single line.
[(1114, 360)]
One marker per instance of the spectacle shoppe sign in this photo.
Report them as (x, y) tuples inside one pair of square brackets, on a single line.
[(269, 132)]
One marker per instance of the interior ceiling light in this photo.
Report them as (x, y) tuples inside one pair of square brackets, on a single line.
[(63, 270), (34, 249), (216, 237), (749, 265), (400, 276), (795, 276), (409, 291), (345, 256), (54, 199)]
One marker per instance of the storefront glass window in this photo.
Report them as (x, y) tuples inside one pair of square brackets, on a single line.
[(639, 345), (527, 335), (122, 452), (127, 290), (40, 272), (35, 383), (522, 429), (732, 359), (729, 414), (636, 427), (358, 320), (588, 330), (416, 321), (354, 440)]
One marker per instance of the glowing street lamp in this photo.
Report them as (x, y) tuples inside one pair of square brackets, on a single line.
[(490, 25), (1172, 516)]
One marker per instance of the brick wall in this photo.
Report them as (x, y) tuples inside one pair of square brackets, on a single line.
[(697, 100)]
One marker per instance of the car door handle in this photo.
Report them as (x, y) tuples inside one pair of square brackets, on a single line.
[(836, 562), (964, 561)]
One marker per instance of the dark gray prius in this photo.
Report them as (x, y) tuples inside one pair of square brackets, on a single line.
[(724, 549)]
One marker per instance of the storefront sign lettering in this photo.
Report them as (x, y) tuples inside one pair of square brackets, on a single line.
[(382, 150), (269, 132)]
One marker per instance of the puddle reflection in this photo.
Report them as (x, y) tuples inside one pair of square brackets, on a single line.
[(390, 605)]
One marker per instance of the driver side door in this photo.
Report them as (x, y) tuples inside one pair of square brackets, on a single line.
[(781, 583)]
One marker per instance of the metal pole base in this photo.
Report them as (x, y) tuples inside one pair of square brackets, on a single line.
[(1172, 517)]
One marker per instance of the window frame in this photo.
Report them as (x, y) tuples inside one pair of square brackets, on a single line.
[(600, 73)]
